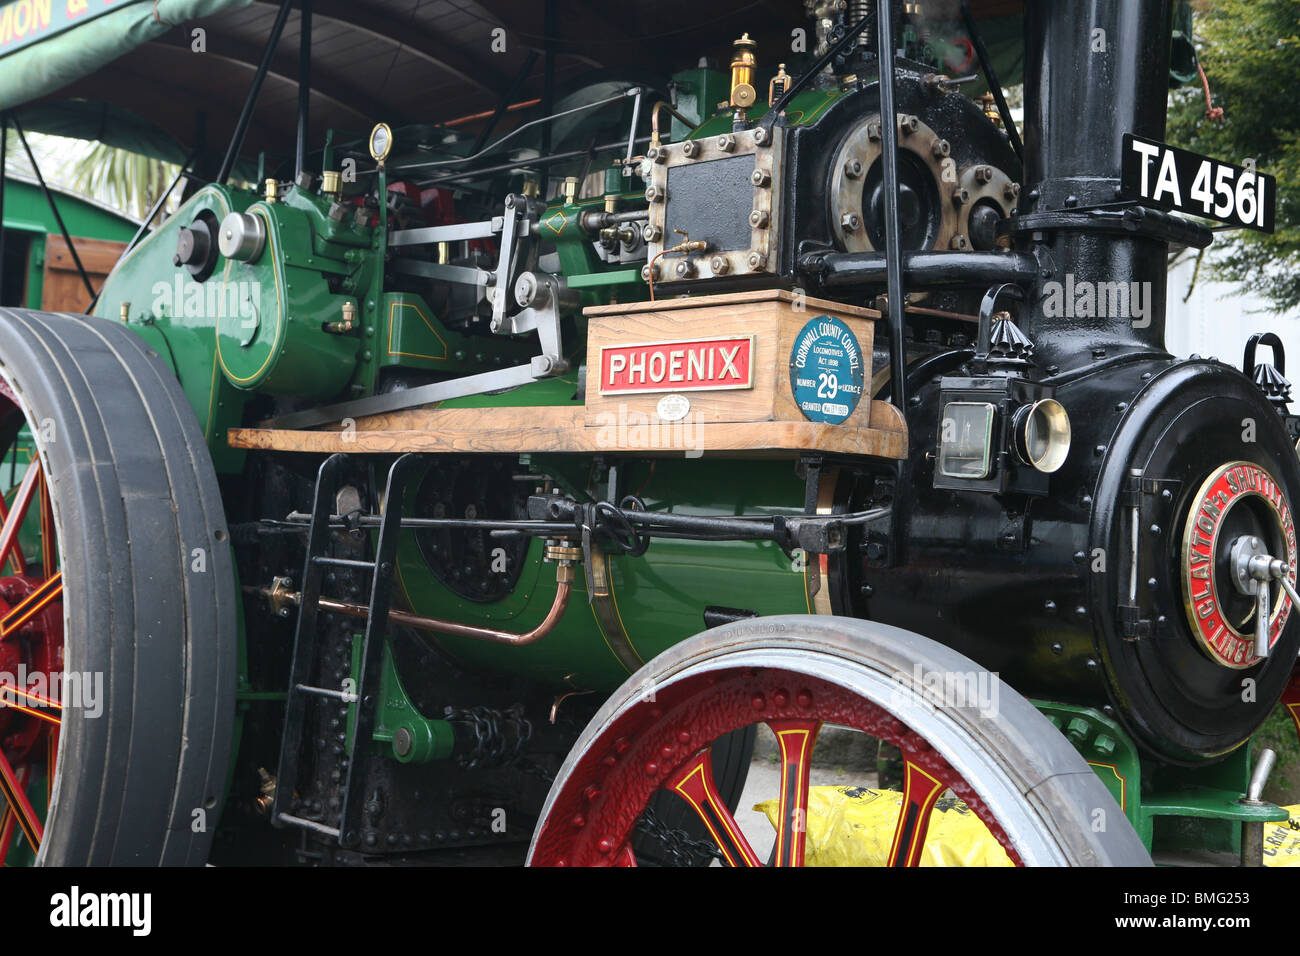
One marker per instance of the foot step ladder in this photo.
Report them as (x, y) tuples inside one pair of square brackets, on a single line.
[(306, 641)]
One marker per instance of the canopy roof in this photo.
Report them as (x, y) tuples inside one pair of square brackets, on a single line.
[(125, 71)]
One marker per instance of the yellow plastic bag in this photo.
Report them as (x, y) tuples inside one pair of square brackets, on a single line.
[(854, 826), (1282, 840)]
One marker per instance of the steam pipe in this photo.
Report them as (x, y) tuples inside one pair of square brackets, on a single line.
[(922, 270)]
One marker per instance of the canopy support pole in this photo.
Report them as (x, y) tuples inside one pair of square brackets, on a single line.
[(304, 87), (49, 197), (246, 114)]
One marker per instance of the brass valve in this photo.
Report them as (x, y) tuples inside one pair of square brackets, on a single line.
[(349, 321), (743, 62)]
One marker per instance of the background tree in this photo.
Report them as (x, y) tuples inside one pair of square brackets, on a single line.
[(1250, 51)]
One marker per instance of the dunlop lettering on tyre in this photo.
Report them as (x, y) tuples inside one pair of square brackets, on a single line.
[(1226, 637)]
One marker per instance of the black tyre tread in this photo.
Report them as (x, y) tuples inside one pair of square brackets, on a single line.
[(135, 492)]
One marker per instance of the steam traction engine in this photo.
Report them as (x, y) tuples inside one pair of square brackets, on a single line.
[(842, 378)]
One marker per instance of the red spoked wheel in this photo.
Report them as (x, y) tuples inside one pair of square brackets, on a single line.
[(1036, 795), (31, 639)]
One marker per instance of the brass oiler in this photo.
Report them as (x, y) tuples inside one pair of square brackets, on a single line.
[(743, 62)]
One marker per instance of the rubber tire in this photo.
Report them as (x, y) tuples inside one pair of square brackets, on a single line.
[(135, 495), (1030, 770)]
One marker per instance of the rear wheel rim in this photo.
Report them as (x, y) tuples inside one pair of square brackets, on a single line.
[(665, 745), (31, 639)]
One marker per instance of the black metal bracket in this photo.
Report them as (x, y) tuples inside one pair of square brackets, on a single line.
[(1121, 218)]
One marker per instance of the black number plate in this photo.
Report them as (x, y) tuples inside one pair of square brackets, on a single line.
[(1166, 177)]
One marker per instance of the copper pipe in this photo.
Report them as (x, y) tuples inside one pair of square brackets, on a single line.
[(942, 313), (654, 120), (484, 115), (563, 590)]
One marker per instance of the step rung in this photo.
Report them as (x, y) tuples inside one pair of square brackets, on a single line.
[(327, 692), (309, 825), (344, 562)]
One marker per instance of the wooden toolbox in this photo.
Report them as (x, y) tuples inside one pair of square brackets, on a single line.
[(728, 358)]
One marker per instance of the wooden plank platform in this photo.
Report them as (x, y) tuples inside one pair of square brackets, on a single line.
[(563, 429)]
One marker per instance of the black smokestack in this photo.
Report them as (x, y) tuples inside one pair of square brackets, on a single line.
[(1094, 70)]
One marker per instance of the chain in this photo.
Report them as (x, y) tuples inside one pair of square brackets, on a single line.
[(679, 848), (494, 744)]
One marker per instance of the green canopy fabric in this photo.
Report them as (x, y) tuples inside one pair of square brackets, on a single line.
[(47, 44)]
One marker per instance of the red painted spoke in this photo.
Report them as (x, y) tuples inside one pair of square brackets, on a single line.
[(625, 856), (17, 560), (8, 822), (796, 739), (920, 792), (30, 696), (18, 511), (49, 552), (51, 755), (12, 786), (26, 609), (694, 783), (39, 714)]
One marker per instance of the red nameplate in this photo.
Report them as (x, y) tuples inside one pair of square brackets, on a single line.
[(693, 365)]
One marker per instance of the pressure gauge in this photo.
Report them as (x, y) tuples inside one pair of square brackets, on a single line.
[(381, 142)]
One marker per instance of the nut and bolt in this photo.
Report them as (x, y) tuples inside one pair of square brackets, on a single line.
[(657, 154), (850, 222), (654, 194), (909, 124), (1011, 191), (690, 149), (685, 269), (959, 242), (873, 130), (727, 143), (760, 136), (983, 173), (757, 261), (651, 232), (761, 177), (940, 148), (720, 265), (759, 218), (853, 168), (960, 196)]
